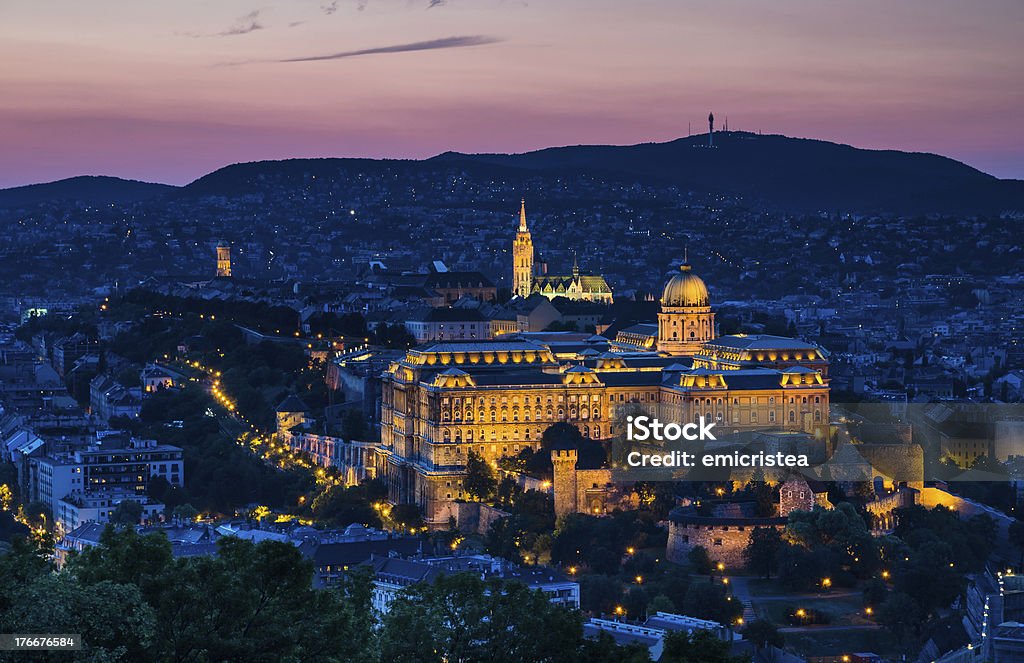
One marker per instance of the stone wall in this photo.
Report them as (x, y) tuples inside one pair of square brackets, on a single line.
[(724, 543), (896, 462), (470, 517), (795, 495)]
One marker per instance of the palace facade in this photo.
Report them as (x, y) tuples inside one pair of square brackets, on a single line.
[(496, 398)]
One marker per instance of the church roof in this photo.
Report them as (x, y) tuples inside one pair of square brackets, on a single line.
[(559, 283)]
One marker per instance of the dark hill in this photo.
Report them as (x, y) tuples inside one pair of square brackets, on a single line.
[(790, 173), (89, 189)]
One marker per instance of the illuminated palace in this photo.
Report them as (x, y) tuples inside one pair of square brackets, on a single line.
[(525, 280), (497, 397)]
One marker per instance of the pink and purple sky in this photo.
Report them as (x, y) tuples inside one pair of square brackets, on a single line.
[(168, 91)]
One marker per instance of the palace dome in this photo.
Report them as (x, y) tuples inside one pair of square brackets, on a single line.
[(685, 289)]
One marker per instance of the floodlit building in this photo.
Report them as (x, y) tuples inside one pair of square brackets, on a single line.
[(495, 398), (525, 280)]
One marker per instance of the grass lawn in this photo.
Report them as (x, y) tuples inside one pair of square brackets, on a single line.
[(843, 611), (837, 643), (763, 587)]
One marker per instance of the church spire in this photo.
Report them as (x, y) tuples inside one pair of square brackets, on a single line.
[(575, 265), (522, 216)]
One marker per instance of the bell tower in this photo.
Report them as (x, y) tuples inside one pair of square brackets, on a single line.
[(223, 259), (522, 257)]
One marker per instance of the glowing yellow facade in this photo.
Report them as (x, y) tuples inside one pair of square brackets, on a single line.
[(522, 257), (223, 259), (585, 287), (686, 320), (497, 398), (442, 400)]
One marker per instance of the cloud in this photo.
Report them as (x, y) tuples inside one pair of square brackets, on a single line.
[(436, 3), (433, 44), (329, 7), (244, 25)]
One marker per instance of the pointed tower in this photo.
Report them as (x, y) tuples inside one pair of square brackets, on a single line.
[(223, 259), (711, 129), (522, 257)]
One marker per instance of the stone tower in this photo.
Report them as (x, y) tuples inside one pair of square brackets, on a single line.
[(795, 495), (291, 413), (564, 461), (223, 259), (522, 257)]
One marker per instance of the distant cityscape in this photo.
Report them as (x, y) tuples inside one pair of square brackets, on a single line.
[(414, 376)]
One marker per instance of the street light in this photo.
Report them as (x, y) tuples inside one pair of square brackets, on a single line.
[(721, 566)]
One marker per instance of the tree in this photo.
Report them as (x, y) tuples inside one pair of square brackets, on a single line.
[(706, 600), (480, 481), (464, 618), (112, 619), (661, 603), (127, 512), (342, 506), (761, 553), (185, 512), (252, 602), (699, 646), (763, 633), (6, 497), (700, 560), (900, 614), (406, 516), (603, 648)]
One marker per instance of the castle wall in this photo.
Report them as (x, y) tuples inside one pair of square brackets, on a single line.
[(470, 517), (724, 543), (896, 462)]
